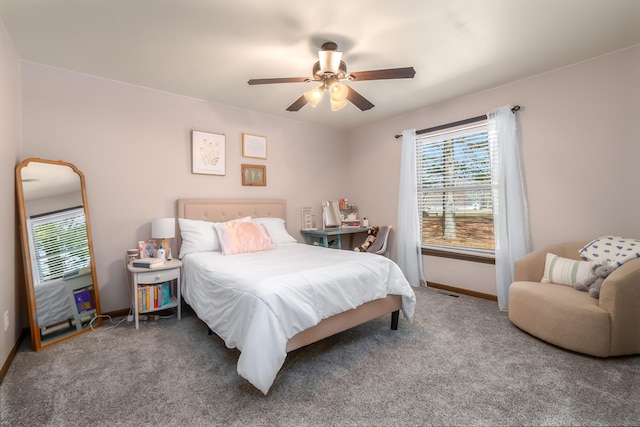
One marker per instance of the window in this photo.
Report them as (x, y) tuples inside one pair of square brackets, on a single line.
[(59, 244), (454, 190)]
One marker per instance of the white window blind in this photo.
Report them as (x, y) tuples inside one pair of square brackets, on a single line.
[(59, 244), (454, 189)]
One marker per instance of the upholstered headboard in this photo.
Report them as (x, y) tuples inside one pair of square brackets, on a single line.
[(218, 210)]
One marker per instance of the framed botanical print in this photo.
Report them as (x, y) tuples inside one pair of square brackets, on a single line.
[(208, 153)]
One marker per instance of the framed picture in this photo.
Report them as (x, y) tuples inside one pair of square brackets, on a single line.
[(254, 175), (208, 153), (147, 248), (254, 146)]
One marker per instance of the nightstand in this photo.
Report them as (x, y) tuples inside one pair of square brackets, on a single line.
[(152, 279)]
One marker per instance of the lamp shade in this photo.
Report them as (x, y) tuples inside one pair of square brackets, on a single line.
[(339, 96), (338, 105), (314, 95), (339, 92), (163, 228), (329, 61)]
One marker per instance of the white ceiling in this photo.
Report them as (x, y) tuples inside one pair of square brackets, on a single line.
[(208, 49), (41, 180)]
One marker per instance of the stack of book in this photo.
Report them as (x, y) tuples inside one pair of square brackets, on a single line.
[(148, 262), (152, 297), (351, 223)]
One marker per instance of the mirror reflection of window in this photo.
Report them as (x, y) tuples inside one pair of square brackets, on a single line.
[(58, 243)]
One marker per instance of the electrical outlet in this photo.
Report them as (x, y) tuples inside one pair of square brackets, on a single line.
[(6, 320)]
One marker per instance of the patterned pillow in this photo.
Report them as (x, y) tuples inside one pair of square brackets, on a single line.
[(564, 271), (612, 250)]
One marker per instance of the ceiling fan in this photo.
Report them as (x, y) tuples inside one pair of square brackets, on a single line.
[(330, 71)]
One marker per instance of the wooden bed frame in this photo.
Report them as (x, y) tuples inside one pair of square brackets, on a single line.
[(218, 210)]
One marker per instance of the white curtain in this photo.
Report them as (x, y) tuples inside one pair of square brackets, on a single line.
[(511, 222), (409, 248)]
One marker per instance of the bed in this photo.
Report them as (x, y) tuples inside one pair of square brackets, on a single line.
[(267, 303)]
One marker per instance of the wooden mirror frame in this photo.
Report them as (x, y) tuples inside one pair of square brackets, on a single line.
[(37, 342)]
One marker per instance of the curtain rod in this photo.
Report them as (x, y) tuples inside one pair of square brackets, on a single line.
[(458, 123)]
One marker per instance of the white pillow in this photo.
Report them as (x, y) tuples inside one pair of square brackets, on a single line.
[(564, 271), (199, 236), (276, 229)]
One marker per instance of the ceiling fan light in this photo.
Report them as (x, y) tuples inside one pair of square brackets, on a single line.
[(314, 96), (339, 92), (329, 61), (338, 105)]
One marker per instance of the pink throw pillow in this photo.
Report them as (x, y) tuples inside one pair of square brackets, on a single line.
[(242, 237)]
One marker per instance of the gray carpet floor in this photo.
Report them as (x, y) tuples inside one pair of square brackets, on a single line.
[(460, 363)]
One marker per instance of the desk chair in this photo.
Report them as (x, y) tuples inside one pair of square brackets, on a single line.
[(379, 246)]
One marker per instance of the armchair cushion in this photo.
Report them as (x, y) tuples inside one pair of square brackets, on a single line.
[(565, 271)]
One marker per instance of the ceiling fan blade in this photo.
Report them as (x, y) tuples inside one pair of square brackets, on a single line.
[(278, 80), (358, 100), (390, 73), (300, 102)]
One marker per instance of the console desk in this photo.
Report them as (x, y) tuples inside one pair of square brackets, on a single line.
[(321, 237)]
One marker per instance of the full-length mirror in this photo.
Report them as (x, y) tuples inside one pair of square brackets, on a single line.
[(57, 251)]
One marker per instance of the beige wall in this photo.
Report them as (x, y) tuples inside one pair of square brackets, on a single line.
[(11, 287), (133, 146), (581, 143)]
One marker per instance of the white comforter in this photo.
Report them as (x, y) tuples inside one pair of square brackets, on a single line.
[(257, 301)]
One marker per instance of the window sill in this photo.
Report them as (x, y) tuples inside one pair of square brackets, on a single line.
[(457, 255)]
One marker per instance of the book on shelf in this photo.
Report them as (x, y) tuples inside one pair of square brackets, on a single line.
[(164, 294), (153, 296), (148, 262), (141, 306)]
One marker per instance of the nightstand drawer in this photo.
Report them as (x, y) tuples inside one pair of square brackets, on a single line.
[(158, 276)]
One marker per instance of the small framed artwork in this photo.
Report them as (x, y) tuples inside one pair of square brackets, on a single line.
[(254, 146), (255, 175), (208, 153), (147, 248)]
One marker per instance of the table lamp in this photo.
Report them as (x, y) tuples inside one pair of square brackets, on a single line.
[(165, 229)]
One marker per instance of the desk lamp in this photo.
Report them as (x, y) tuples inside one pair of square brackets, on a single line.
[(165, 229)]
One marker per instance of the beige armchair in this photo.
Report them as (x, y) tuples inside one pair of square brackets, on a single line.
[(563, 316)]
